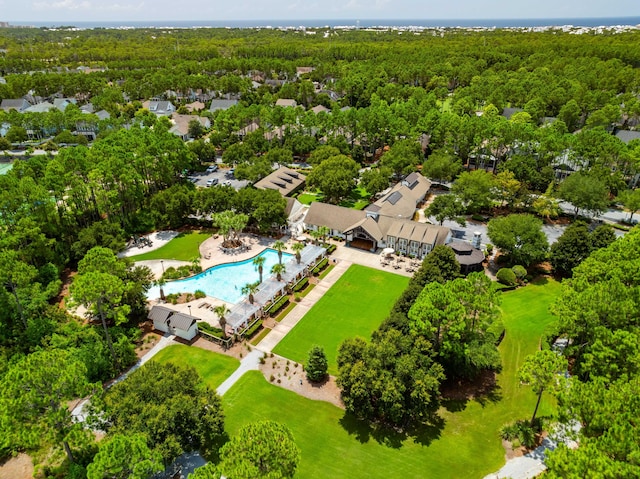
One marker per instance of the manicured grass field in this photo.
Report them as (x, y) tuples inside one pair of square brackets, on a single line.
[(354, 306), (213, 367), (357, 199), (467, 444), (183, 248)]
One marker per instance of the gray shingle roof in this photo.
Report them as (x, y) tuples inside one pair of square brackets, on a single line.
[(284, 179), (627, 136), (182, 321), (222, 104)]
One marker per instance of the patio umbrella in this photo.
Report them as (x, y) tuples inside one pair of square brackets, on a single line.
[(388, 251)]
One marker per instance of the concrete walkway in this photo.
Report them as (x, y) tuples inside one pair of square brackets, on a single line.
[(283, 327), (250, 362)]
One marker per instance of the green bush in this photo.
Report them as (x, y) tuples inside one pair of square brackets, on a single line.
[(278, 305), (320, 266), (172, 298), (522, 431), (199, 294), (171, 273), (489, 248), (301, 284), (213, 331), (331, 248), (507, 277), (251, 330), (184, 271), (520, 272)]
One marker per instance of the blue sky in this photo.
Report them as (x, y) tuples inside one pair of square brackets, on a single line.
[(141, 10)]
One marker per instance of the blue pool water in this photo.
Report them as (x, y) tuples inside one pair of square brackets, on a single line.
[(224, 281)]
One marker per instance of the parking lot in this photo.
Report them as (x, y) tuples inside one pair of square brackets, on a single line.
[(223, 175)]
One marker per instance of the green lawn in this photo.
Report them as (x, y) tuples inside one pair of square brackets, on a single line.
[(358, 198), (213, 367), (466, 445), (183, 248), (354, 306)]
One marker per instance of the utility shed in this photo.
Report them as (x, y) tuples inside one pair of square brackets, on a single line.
[(169, 321)]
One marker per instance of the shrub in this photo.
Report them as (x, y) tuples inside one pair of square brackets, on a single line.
[(522, 432), (199, 294), (171, 273), (520, 272), (319, 267), (278, 305), (331, 248), (506, 276), (184, 271), (301, 284), (252, 329), (213, 331), (489, 248), (297, 298)]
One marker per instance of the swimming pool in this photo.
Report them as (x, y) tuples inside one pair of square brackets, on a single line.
[(224, 281)]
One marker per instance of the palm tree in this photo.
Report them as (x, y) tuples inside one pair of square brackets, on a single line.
[(250, 289), (316, 234), (195, 265), (160, 283), (297, 248), (258, 262), (279, 246), (221, 311), (278, 269), (324, 232)]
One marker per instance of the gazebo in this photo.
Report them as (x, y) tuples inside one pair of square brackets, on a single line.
[(470, 258)]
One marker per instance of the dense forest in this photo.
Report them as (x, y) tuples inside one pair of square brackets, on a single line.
[(394, 102)]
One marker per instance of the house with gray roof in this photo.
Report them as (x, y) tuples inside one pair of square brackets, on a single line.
[(626, 135), (40, 107), (18, 104), (62, 103), (221, 104), (285, 180), (169, 321), (161, 107), (509, 112)]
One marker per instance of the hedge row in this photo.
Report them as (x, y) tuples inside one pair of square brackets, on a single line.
[(247, 333), (207, 328), (320, 266), (278, 305), (301, 285)]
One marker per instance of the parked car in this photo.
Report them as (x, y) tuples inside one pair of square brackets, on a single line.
[(212, 168), (212, 182)]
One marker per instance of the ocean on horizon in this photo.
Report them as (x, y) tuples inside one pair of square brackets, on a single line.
[(366, 23)]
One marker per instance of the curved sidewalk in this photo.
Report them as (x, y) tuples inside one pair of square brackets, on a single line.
[(283, 327)]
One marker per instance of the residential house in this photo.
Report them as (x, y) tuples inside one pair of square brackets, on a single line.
[(286, 103), (169, 321), (62, 103), (509, 112), (250, 128), (285, 180), (385, 223), (303, 71), (195, 106), (181, 124), (626, 135), (40, 108), (18, 104), (320, 109), (161, 107), (221, 104)]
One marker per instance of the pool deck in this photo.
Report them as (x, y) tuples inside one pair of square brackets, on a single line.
[(211, 254)]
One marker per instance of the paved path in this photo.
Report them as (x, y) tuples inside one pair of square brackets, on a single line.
[(250, 362), (283, 327)]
